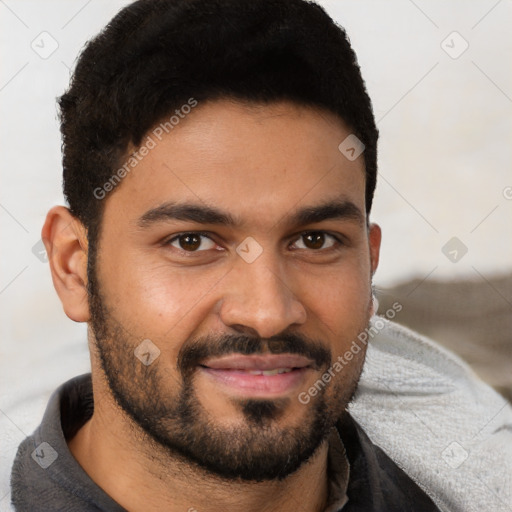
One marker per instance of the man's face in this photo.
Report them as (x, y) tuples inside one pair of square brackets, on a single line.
[(239, 247)]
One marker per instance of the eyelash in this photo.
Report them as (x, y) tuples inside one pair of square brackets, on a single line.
[(338, 243)]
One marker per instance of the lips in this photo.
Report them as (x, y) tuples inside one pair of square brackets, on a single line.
[(269, 375), (267, 362)]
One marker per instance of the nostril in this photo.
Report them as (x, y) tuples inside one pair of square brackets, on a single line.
[(245, 330)]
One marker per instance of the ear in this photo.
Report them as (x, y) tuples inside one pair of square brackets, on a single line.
[(374, 240), (65, 239)]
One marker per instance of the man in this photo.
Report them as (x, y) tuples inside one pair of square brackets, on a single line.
[(219, 165)]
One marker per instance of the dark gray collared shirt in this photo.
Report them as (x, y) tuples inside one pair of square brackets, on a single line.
[(47, 478)]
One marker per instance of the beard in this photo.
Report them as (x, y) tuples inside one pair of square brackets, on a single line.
[(164, 406)]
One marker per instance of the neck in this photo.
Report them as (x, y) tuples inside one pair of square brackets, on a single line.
[(141, 476)]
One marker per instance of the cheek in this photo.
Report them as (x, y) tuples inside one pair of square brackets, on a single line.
[(340, 298), (347, 321), (157, 300)]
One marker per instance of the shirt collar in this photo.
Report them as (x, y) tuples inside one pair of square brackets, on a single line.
[(338, 471)]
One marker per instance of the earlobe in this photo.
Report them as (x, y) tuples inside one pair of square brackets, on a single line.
[(65, 239), (374, 239)]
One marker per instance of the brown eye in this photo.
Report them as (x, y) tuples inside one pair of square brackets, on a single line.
[(315, 240), (191, 242)]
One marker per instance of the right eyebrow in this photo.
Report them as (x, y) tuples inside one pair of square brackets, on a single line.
[(186, 212)]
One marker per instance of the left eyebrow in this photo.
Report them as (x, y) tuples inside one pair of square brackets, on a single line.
[(202, 214), (331, 210)]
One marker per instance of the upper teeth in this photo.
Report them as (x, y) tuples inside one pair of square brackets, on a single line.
[(275, 371)]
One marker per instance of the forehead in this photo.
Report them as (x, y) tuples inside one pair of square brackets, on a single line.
[(256, 161)]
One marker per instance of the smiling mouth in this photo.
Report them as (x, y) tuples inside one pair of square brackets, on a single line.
[(259, 362), (270, 375)]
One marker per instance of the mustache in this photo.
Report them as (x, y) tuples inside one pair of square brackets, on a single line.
[(197, 351)]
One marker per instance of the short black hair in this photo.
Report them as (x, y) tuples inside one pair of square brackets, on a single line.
[(155, 55)]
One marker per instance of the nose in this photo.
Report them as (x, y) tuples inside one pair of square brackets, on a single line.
[(259, 301)]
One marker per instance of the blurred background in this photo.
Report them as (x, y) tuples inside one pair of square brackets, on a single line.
[(440, 78)]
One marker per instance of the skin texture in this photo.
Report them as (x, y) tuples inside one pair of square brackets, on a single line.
[(261, 164)]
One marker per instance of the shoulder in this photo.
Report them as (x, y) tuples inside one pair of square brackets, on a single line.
[(447, 429)]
